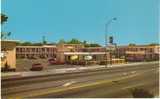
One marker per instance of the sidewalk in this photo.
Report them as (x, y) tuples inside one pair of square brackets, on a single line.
[(65, 70)]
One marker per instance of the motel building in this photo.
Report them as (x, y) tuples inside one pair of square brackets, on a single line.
[(92, 57), (139, 52), (8, 55), (68, 54), (33, 52), (63, 53), (65, 48), (78, 54)]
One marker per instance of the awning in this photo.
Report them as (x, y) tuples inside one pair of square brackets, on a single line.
[(84, 53)]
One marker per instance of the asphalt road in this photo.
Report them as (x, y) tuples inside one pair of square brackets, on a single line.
[(112, 82)]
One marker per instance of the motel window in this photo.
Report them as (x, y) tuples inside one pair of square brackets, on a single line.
[(27, 49), (141, 49), (36, 49), (136, 49), (33, 49), (20, 49), (151, 50), (53, 50), (84, 50), (144, 49), (17, 49), (47, 49), (43, 49), (39, 49), (23, 49)]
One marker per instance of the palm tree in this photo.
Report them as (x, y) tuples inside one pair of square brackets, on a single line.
[(4, 18)]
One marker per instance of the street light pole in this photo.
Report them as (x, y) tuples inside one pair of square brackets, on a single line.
[(106, 36)]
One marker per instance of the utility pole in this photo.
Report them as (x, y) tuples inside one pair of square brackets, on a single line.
[(106, 36)]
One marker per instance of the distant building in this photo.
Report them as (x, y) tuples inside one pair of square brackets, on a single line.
[(138, 52), (45, 51), (8, 55)]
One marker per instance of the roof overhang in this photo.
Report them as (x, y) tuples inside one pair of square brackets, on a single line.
[(84, 53)]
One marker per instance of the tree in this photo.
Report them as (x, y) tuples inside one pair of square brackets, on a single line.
[(18, 43), (44, 40), (4, 35), (153, 44), (26, 44), (74, 41), (4, 18), (92, 45), (37, 44), (51, 43), (84, 42), (61, 41), (132, 44)]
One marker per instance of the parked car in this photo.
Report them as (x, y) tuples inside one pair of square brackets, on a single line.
[(53, 61), (36, 67)]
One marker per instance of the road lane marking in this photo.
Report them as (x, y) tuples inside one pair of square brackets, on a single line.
[(124, 73), (133, 72), (68, 84)]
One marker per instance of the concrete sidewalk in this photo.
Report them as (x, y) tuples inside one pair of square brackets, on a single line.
[(65, 70)]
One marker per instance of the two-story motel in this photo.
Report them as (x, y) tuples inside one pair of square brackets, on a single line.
[(139, 52), (45, 51), (63, 52)]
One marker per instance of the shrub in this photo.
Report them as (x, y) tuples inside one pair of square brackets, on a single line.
[(141, 93), (103, 63)]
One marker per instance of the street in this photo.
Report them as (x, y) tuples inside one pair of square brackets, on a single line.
[(104, 83)]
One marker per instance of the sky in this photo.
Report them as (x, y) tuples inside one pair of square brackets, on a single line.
[(29, 20)]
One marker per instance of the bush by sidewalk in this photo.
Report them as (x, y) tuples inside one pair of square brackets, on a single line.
[(141, 93)]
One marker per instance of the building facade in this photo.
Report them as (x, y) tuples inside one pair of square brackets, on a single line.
[(64, 48), (8, 55), (138, 52), (64, 52), (67, 51), (45, 51)]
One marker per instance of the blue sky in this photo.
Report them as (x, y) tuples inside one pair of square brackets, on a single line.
[(29, 20)]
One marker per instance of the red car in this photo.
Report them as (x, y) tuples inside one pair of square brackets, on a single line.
[(36, 67), (53, 61)]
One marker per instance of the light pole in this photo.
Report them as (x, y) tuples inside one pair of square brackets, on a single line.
[(106, 36)]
